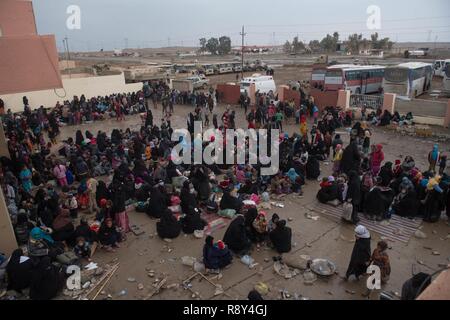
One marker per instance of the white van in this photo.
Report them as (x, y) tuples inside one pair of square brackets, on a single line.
[(264, 84)]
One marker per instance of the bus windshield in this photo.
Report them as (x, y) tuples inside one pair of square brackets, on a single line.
[(334, 73), (396, 74)]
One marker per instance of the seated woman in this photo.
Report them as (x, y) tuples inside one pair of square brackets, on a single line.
[(235, 236), (295, 180), (377, 201), (22, 228), (386, 174), (312, 168), (281, 237), (46, 281), (192, 221), (249, 217), (405, 204), (168, 227), (248, 188), (187, 197), (216, 256), (230, 201), (19, 271), (108, 235), (41, 244), (157, 203), (63, 228), (328, 191)]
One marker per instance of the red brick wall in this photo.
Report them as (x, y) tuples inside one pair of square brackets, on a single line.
[(324, 98), (287, 95), (229, 93)]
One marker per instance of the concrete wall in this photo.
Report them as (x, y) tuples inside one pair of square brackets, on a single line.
[(28, 63), (90, 87), (67, 64), (8, 241), (229, 93), (324, 99), (17, 18), (424, 108), (286, 94)]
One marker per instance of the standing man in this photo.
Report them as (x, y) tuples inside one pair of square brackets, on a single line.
[(92, 190)]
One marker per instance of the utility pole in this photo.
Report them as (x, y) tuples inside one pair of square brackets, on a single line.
[(66, 49), (242, 52), (67, 45), (168, 42), (126, 43)]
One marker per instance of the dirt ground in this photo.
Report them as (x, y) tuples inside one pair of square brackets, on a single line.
[(324, 238)]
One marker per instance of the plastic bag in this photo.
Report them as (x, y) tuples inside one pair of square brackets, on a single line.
[(247, 260)]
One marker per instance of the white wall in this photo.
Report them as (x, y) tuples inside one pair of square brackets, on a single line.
[(89, 86)]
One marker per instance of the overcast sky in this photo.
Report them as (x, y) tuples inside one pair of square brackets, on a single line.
[(112, 24)]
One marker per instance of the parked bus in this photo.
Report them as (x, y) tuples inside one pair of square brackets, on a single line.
[(408, 80), (209, 69), (225, 68), (237, 67), (318, 76), (357, 79)]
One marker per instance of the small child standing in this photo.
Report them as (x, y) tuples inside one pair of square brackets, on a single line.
[(72, 204), (442, 164)]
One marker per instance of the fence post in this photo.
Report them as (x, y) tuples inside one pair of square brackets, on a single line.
[(389, 102), (343, 100)]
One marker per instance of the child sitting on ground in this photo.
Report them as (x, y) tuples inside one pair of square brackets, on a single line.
[(82, 249)]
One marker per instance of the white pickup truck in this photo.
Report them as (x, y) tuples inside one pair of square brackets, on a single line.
[(199, 82)]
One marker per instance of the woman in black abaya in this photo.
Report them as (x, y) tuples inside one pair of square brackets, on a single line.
[(19, 271), (236, 236)]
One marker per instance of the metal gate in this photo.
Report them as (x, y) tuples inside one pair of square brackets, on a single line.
[(368, 101)]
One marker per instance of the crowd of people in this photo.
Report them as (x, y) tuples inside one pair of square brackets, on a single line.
[(103, 176), (378, 188)]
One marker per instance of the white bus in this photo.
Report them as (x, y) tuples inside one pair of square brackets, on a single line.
[(225, 68), (358, 79), (209, 69), (408, 80), (237, 67)]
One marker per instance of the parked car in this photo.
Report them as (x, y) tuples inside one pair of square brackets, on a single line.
[(199, 82)]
